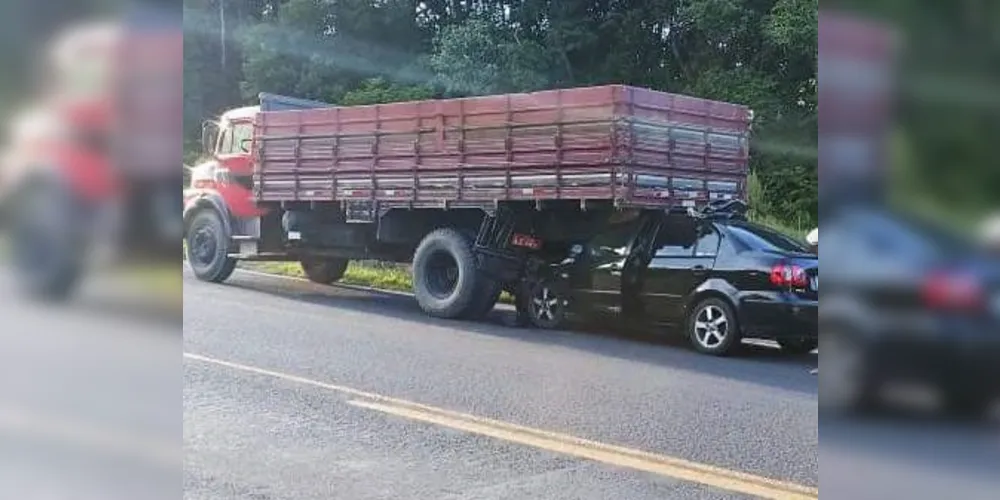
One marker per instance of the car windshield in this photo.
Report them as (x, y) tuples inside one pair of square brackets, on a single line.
[(760, 237)]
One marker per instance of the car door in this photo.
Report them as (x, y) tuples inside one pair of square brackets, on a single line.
[(672, 269), (600, 289)]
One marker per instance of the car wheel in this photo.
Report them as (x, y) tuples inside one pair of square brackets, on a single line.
[(798, 346), (847, 384), (546, 306), (324, 271), (712, 328), (968, 405)]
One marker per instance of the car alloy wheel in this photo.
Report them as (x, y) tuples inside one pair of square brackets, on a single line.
[(844, 386), (711, 327), (547, 307)]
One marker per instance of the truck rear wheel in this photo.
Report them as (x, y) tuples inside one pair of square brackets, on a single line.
[(446, 282), (486, 299), (208, 248), (324, 271)]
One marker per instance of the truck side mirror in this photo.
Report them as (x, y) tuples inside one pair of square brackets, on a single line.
[(209, 132), (245, 145)]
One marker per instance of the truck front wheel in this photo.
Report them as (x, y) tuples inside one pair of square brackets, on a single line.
[(208, 248), (446, 282), (48, 248), (324, 271)]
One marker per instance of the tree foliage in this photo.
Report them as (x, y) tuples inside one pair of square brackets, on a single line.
[(761, 53)]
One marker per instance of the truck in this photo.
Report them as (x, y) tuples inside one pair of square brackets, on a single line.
[(91, 171), (474, 193)]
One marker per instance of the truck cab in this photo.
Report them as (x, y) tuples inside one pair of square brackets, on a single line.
[(91, 174)]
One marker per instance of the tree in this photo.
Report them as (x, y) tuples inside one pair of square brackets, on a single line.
[(761, 53)]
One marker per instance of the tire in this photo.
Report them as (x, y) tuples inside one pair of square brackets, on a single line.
[(798, 346), (849, 383), (324, 271), (48, 247), (446, 282), (486, 299), (546, 306), (713, 329), (968, 405), (208, 248)]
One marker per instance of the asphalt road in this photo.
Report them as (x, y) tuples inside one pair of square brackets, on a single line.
[(89, 397), (296, 391)]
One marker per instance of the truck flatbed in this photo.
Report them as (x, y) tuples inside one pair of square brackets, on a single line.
[(630, 146)]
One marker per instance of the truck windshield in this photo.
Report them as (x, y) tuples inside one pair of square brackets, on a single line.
[(759, 237)]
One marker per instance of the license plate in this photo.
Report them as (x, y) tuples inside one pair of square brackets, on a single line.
[(523, 240)]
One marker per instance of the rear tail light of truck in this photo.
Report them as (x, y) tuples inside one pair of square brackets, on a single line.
[(789, 276), (953, 292)]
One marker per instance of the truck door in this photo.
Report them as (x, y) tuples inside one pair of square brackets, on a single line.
[(600, 290), (672, 271), (233, 151)]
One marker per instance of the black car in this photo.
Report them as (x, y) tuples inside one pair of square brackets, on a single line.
[(714, 278), (907, 302)]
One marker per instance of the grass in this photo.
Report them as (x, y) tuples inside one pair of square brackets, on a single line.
[(380, 276), (373, 275)]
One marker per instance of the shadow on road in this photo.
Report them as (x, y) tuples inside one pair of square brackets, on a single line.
[(755, 363)]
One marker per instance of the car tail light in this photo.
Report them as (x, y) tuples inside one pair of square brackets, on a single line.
[(789, 276), (953, 291)]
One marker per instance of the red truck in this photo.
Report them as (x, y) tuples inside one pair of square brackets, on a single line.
[(474, 192), (93, 166)]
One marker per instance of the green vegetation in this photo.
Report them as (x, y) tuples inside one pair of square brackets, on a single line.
[(381, 276), (760, 53)]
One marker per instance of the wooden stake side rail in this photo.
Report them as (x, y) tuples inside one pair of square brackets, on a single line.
[(634, 146)]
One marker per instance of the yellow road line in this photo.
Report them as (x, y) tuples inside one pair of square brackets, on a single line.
[(619, 456)]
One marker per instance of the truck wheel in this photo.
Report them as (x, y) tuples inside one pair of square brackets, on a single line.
[(47, 256), (324, 271), (486, 299), (208, 248), (446, 282)]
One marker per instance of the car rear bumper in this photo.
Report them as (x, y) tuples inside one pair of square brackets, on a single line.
[(778, 315)]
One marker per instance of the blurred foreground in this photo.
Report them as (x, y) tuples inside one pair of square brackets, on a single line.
[(90, 184), (910, 314)]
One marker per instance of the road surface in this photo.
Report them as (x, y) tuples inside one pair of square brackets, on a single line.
[(90, 397), (297, 391)]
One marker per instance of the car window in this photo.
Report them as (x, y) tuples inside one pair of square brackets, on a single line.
[(676, 238), (616, 236), (708, 242), (758, 237)]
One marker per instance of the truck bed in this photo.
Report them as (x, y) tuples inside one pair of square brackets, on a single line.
[(632, 146)]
